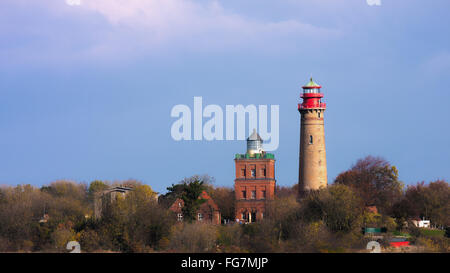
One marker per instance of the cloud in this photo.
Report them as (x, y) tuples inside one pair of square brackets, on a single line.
[(194, 22), (73, 2), (123, 29), (374, 2)]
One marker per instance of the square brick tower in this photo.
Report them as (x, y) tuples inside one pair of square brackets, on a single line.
[(255, 180)]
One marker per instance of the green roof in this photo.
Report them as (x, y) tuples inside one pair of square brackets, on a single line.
[(255, 156), (311, 83)]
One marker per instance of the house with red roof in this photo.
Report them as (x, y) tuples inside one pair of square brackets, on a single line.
[(208, 212)]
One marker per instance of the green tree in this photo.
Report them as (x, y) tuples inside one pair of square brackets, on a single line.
[(338, 206), (192, 201), (189, 190)]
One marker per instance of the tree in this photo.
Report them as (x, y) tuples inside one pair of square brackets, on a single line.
[(375, 180), (141, 195), (193, 238), (189, 190), (229, 238), (61, 236), (176, 190), (225, 199), (282, 213), (20, 209), (192, 201), (69, 189), (89, 240), (281, 191), (338, 206), (96, 187), (150, 224), (430, 201)]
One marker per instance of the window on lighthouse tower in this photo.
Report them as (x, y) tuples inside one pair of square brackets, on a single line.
[(310, 139)]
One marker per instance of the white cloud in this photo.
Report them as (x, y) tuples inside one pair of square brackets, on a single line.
[(73, 2), (84, 30), (202, 25), (374, 2)]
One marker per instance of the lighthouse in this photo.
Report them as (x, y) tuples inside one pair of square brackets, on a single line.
[(312, 173)]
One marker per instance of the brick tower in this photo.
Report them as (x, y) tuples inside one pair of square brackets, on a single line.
[(313, 163), (255, 180)]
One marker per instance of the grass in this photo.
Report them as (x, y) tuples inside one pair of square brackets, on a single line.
[(432, 232), (403, 234), (424, 231)]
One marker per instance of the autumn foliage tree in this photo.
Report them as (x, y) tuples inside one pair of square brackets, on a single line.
[(430, 201), (225, 199), (375, 181)]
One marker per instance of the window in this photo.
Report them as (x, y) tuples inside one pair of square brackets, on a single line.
[(262, 215), (179, 204), (319, 114), (310, 139), (264, 172), (180, 217), (244, 195), (253, 217), (263, 194), (243, 172), (200, 217), (253, 195), (253, 172)]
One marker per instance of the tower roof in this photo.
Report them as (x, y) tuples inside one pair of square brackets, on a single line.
[(254, 136), (311, 84)]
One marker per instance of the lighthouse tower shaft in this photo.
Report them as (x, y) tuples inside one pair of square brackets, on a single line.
[(312, 163)]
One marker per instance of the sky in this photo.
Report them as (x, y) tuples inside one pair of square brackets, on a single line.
[(87, 86)]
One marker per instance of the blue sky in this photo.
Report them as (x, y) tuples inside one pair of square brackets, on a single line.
[(86, 90)]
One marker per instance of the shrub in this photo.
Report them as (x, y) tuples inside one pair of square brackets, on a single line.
[(194, 238)]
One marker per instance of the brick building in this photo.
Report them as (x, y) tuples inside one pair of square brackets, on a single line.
[(208, 211), (255, 180)]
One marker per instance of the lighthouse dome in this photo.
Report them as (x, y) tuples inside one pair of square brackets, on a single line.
[(254, 143), (311, 87)]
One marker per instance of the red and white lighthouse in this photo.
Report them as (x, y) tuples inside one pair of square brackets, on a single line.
[(312, 156)]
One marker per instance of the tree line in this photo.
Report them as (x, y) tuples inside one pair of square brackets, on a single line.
[(44, 219)]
